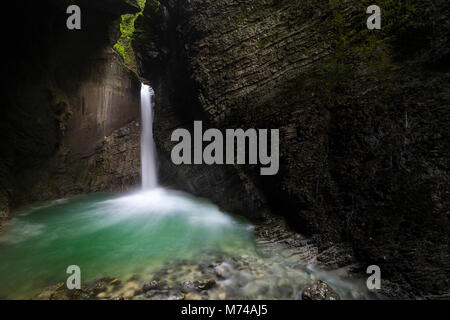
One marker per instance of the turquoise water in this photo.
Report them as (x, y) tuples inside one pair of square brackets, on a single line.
[(113, 235)]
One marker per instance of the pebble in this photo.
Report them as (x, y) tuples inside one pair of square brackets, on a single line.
[(193, 296), (222, 296), (115, 282), (152, 285), (129, 294), (102, 295)]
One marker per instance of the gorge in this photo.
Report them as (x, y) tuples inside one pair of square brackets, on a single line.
[(138, 236), (355, 186)]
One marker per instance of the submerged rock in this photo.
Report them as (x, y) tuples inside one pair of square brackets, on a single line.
[(205, 284), (319, 291), (223, 270), (197, 285), (163, 295), (48, 292), (176, 296), (152, 285), (193, 296), (188, 286), (102, 285), (60, 292), (129, 294), (115, 282)]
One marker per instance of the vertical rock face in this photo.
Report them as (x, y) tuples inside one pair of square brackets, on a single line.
[(70, 117), (108, 99), (362, 115), (101, 147), (221, 184), (162, 62)]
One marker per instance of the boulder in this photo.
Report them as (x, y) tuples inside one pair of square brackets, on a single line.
[(319, 291)]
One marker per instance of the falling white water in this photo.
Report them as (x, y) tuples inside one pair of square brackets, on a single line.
[(148, 150)]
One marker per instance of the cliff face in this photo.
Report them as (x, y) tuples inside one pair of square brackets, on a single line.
[(100, 150), (161, 61), (363, 117), (69, 106)]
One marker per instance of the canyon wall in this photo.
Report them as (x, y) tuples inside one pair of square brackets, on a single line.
[(363, 117), (100, 150), (70, 111)]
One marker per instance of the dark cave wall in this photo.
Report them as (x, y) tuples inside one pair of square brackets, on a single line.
[(363, 116), (68, 104)]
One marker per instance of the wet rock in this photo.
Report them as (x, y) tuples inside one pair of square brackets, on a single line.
[(319, 291), (78, 294), (129, 294), (205, 284), (61, 294), (115, 282), (103, 295), (134, 285), (152, 285), (83, 295), (47, 293), (223, 270), (176, 296), (157, 294), (188, 286), (193, 296), (101, 285)]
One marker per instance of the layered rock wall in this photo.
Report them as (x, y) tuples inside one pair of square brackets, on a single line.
[(363, 115), (100, 150)]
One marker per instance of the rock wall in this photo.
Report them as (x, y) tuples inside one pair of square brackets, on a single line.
[(162, 64), (219, 183), (100, 150), (69, 106), (362, 116)]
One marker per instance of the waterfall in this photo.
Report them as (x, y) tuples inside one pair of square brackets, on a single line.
[(148, 150)]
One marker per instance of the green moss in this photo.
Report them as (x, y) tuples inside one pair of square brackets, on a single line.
[(119, 49), (154, 4), (123, 45), (358, 58), (141, 3)]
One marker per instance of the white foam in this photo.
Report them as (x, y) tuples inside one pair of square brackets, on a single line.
[(21, 231), (161, 203)]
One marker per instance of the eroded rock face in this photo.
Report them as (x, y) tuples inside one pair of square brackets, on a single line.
[(319, 291), (66, 98), (113, 166), (362, 117), (101, 147)]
